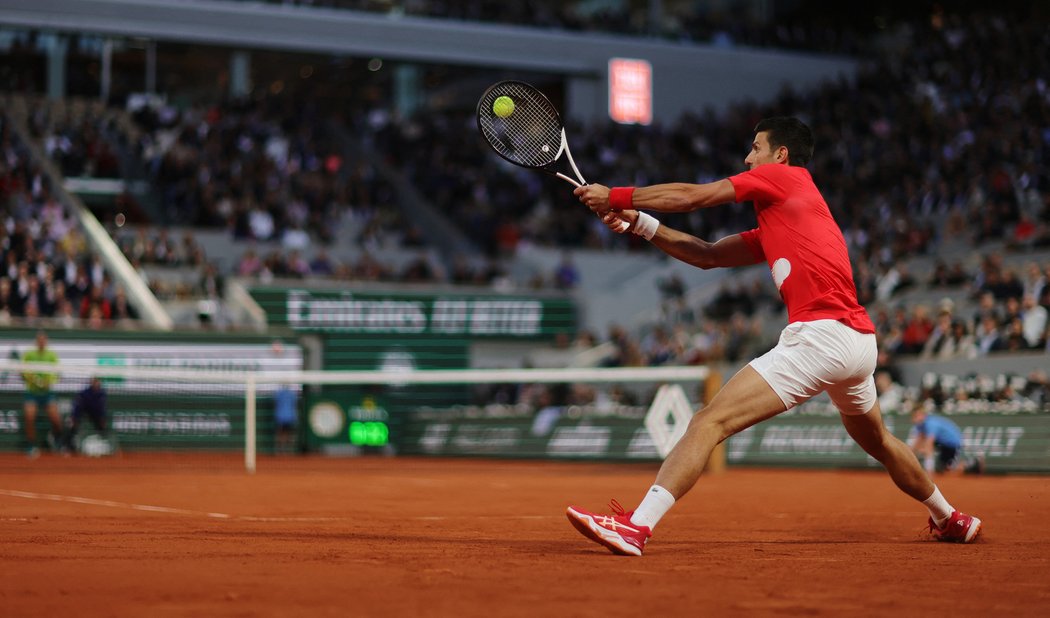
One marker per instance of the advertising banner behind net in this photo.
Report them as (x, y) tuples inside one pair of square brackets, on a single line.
[(157, 413), (218, 358), (150, 421), (1010, 443)]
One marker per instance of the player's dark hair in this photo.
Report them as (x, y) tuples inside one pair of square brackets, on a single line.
[(791, 133)]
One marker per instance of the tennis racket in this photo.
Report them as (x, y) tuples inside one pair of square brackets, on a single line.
[(531, 134)]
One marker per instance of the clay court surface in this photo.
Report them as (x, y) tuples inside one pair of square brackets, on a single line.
[(465, 537)]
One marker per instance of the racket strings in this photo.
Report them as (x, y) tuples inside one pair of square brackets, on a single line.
[(531, 135)]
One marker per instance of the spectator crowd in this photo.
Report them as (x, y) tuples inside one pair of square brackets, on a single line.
[(939, 139), (934, 141), (48, 271), (1009, 313)]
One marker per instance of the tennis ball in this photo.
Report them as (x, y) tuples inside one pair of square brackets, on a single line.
[(503, 106)]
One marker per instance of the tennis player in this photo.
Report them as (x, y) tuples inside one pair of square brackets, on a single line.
[(39, 396), (828, 344)]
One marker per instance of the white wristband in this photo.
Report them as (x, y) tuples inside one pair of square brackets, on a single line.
[(646, 226)]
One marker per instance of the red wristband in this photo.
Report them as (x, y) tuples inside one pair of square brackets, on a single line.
[(621, 198)]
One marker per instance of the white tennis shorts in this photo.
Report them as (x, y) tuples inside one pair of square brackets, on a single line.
[(823, 355)]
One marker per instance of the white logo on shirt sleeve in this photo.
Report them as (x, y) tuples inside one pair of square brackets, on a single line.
[(781, 270)]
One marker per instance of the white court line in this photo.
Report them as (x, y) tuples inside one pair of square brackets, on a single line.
[(32, 495)]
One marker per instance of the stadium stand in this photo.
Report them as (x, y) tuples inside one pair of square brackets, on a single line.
[(51, 276), (889, 206), (280, 184)]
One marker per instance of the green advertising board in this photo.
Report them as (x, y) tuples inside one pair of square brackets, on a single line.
[(497, 430), (154, 414), (154, 422), (401, 314), (146, 421), (1010, 443)]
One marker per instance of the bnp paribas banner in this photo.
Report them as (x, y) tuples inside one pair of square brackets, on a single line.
[(407, 314)]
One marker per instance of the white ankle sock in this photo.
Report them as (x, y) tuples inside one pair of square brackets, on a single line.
[(938, 507), (654, 506)]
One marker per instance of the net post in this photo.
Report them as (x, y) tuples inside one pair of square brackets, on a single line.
[(716, 463), (249, 424)]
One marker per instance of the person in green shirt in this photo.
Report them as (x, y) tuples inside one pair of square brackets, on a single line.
[(39, 395)]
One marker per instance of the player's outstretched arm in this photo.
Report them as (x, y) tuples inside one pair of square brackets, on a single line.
[(729, 251), (672, 197), (683, 197), (726, 252)]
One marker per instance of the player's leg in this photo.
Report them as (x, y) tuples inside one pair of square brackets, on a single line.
[(869, 431), (56, 423), (852, 390), (98, 419), (947, 459), (74, 429), (745, 400), (844, 360), (29, 409)]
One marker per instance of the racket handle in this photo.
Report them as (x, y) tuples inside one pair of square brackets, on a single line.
[(568, 180)]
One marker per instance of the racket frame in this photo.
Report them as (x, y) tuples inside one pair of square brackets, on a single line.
[(563, 147), (572, 163)]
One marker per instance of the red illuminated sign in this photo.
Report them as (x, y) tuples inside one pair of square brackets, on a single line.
[(630, 91)]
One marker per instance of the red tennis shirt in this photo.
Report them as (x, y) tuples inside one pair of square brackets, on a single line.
[(802, 244)]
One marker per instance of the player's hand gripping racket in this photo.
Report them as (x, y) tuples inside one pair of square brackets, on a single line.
[(522, 126)]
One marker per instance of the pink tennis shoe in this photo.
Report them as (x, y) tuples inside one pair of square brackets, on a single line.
[(615, 532), (960, 528)]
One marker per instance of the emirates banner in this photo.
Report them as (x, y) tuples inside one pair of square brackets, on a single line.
[(408, 315)]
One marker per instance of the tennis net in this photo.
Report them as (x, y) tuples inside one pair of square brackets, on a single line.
[(256, 418)]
